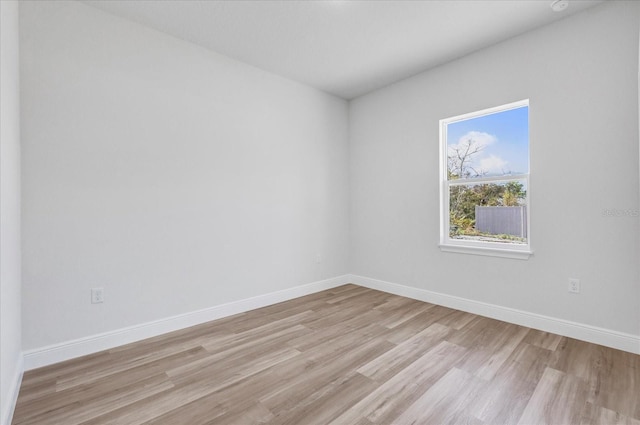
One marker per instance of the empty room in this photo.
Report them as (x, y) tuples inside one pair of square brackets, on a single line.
[(319, 212)]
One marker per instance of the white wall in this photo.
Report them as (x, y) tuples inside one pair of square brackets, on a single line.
[(580, 75), (178, 179), (174, 177), (10, 328)]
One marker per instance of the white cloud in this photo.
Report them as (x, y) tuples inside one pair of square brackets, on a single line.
[(479, 162), (478, 138), (493, 165)]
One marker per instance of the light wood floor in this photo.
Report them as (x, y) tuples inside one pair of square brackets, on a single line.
[(349, 355)]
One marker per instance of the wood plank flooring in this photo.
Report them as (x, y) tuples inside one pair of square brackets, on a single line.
[(349, 355)]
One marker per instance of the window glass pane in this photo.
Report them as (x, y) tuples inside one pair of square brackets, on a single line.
[(489, 212), (490, 145)]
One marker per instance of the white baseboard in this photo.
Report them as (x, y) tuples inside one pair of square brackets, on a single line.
[(44, 356), (606, 337), (9, 405)]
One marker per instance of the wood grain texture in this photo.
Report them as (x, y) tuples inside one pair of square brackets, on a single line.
[(349, 355)]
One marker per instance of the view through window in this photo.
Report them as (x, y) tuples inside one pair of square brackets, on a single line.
[(485, 178)]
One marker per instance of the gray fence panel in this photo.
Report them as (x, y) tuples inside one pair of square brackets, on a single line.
[(502, 220)]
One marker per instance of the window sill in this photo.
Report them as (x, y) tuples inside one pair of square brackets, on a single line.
[(491, 252)]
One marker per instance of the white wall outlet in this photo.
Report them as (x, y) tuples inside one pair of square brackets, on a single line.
[(574, 285), (97, 295), (318, 258)]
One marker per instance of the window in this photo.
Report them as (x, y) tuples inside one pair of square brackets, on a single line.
[(484, 174)]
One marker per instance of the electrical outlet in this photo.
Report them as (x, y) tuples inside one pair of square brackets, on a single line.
[(318, 258), (574, 285), (97, 295)]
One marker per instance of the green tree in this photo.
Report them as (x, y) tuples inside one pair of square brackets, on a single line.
[(514, 194)]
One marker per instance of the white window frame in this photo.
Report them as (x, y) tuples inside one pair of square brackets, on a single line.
[(496, 249)]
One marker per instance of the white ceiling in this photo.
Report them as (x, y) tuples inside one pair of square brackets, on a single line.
[(346, 48)]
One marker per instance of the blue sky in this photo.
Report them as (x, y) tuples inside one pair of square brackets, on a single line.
[(504, 137)]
